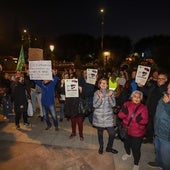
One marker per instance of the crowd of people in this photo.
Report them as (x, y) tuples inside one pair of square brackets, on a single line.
[(115, 98)]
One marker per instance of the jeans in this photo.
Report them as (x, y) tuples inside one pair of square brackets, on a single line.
[(38, 96), (62, 110), (50, 110), (110, 131), (162, 149)]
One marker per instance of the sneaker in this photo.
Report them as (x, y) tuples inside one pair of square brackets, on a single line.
[(126, 156), (27, 124), (153, 165), (136, 167)]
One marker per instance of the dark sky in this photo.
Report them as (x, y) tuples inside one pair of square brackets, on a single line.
[(133, 18)]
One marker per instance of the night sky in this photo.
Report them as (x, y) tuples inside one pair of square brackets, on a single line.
[(134, 18)]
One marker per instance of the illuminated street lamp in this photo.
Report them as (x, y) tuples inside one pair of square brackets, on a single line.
[(51, 48), (26, 36), (102, 26), (52, 54), (106, 55)]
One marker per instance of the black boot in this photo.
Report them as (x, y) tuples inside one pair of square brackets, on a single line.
[(100, 151)]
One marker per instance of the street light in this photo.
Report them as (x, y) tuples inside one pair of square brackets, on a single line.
[(26, 36), (102, 26), (52, 54)]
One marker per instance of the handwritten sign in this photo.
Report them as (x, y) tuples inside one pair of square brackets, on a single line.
[(40, 70), (92, 76), (71, 87), (142, 74)]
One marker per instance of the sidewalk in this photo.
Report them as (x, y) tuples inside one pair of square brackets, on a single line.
[(34, 148)]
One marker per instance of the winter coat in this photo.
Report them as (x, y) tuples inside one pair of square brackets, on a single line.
[(162, 121), (20, 97), (103, 109), (136, 129)]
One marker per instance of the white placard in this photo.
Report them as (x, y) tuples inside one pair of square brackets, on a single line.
[(92, 76), (40, 70), (71, 88), (142, 74)]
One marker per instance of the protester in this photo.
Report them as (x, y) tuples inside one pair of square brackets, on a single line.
[(87, 93), (48, 100), (162, 133), (20, 96), (137, 127), (72, 112), (153, 94), (103, 102)]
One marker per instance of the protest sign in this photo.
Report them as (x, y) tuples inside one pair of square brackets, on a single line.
[(142, 74), (40, 70), (92, 76), (71, 88)]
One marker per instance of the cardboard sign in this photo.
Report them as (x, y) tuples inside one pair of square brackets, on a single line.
[(35, 54)]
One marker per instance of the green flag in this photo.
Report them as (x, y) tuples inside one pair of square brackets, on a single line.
[(21, 60)]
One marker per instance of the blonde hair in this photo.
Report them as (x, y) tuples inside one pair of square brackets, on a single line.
[(137, 92)]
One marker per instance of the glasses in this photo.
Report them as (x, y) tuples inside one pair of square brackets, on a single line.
[(161, 78)]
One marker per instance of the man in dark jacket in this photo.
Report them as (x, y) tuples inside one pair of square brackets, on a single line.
[(153, 96)]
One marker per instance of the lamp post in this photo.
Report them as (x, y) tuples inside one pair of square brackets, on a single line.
[(26, 36), (52, 55), (106, 57), (102, 26)]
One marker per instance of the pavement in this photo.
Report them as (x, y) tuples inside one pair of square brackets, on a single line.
[(37, 149)]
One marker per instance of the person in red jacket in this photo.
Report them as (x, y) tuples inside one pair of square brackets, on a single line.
[(136, 128)]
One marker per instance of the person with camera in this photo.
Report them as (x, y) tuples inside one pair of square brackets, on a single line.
[(138, 113)]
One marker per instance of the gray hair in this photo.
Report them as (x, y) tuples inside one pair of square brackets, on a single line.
[(137, 92)]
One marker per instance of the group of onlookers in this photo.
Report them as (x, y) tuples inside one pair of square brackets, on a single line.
[(148, 107)]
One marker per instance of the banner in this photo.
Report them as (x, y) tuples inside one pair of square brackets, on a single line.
[(21, 60)]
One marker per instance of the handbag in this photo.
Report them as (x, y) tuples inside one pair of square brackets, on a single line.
[(83, 107), (123, 131), (30, 109)]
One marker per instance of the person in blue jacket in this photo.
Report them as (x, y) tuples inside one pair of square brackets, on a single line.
[(48, 100), (162, 132)]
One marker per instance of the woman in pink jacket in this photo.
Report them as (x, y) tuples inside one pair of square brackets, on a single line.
[(137, 127)]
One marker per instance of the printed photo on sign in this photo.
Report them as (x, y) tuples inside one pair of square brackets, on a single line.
[(71, 88), (40, 70), (92, 76), (142, 74)]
